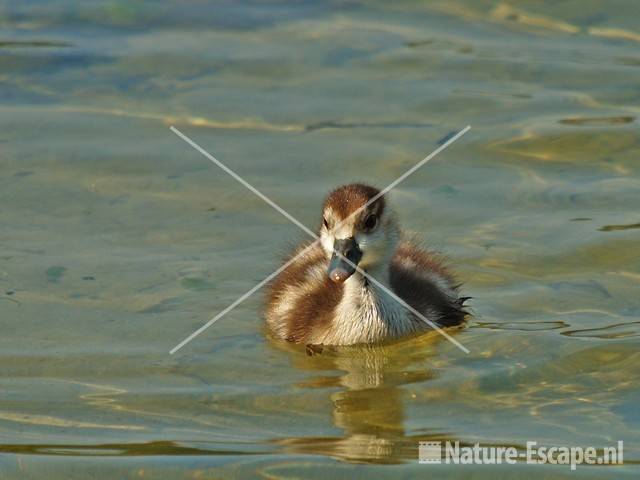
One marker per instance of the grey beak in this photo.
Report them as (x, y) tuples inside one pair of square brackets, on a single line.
[(339, 269)]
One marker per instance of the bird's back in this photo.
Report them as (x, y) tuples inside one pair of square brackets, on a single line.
[(421, 279)]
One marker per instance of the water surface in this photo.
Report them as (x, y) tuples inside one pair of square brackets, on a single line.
[(118, 239)]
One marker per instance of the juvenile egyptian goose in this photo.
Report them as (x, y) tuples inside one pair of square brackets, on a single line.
[(320, 299)]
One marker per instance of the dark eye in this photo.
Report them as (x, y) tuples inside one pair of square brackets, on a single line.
[(325, 223), (370, 222)]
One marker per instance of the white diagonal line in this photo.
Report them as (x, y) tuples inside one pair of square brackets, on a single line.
[(393, 295), (240, 179), (238, 301), (412, 169), (312, 234), (402, 177)]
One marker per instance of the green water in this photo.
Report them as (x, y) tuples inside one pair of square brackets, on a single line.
[(117, 239)]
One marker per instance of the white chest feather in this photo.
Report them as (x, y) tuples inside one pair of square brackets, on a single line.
[(367, 314)]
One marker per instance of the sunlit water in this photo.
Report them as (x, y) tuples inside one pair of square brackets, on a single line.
[(118, 239)]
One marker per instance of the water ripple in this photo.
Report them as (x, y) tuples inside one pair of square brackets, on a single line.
[(616, 330), (613, 228)]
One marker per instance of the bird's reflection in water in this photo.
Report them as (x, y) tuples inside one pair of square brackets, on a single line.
[(369, 407)]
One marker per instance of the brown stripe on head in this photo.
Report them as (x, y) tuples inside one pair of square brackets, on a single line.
[(345, 200)]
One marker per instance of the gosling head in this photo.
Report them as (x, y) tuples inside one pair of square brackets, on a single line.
[(353, 227)]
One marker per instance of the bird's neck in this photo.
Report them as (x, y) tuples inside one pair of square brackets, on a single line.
[(369, 291)]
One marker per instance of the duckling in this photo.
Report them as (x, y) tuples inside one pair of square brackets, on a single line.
[(321, 299)]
